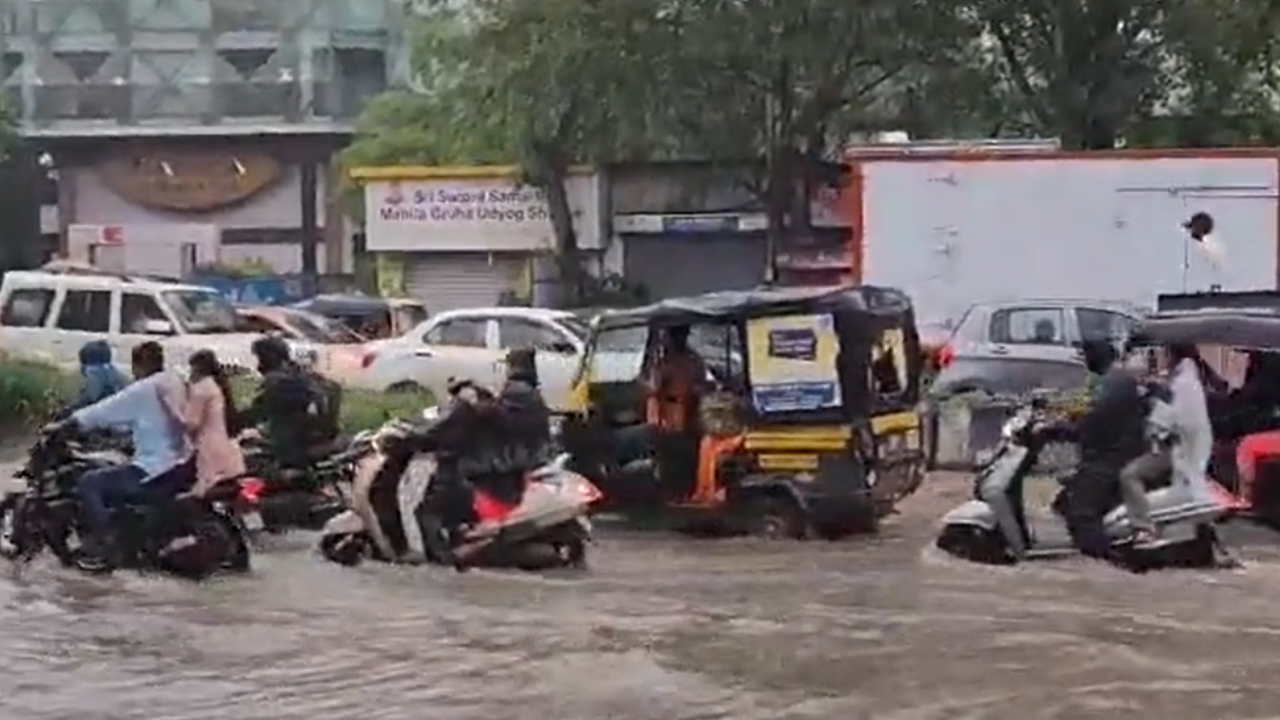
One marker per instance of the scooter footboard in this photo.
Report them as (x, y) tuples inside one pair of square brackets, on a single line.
[(975, 513)]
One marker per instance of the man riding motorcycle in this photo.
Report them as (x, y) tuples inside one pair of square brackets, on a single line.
[(464, 439), (481, 441), (1110, 434), (158, 469), (299, 412)]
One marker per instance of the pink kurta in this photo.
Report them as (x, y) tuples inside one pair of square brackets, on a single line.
[(217, 456)]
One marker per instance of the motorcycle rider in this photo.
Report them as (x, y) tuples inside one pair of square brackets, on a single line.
[(160, 450), (101, 378), (526, 428), (464, 440), (297, 412), (1111, 433)]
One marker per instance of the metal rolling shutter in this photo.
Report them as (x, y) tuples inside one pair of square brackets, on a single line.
[(688, 264), (447, 280)]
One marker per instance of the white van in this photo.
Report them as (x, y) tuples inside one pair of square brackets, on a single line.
[(51, 315)]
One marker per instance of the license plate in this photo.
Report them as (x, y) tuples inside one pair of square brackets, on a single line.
[(253, 521)]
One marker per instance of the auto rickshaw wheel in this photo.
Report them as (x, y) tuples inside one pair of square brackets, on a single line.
[(775, 518)]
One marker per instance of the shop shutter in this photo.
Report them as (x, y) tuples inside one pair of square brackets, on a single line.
[(448, 281)]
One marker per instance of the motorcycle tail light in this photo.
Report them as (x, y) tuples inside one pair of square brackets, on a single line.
[(589, 492), (251, 490), (946, 355)]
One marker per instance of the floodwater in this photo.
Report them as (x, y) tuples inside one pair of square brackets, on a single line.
[(661, 628)]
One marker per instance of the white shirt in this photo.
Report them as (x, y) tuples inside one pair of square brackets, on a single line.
[(1194, 448)]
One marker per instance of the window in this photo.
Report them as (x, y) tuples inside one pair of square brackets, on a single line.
[(27, 308), (201, 311), (86, 311), (1104, 325), (1028, 326), (136, 311), (515, 332), (459, 332), (889, 364)]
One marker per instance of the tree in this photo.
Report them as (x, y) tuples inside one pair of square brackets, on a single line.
[(780, 82), (544, 84), (1088, 71)]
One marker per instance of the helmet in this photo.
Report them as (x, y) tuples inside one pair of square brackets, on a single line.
[(271, 351)]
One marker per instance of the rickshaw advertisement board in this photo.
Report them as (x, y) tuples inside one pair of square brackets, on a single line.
[(792, 361)]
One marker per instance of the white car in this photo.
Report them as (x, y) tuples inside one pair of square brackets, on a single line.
[(51, 315), (472, 343)]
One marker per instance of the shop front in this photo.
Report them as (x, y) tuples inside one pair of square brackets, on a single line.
[(467, 237)]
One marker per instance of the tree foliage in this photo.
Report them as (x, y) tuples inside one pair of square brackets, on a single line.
[(1093, 71), (779, 84)]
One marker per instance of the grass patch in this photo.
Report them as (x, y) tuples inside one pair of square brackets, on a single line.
[(31, 392), (361, 409)]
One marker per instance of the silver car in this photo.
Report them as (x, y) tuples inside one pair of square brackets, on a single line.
[(1007, 349)]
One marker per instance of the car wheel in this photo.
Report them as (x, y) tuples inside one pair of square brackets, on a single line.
[(406, 387)]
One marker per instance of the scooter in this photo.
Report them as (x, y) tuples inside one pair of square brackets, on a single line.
[(995, 528), (549, 527)]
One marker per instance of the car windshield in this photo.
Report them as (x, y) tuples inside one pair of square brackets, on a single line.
[(318, 330), (201, 311)]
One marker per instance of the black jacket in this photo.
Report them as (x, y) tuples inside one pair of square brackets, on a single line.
[(285, 407), (1112, 432)]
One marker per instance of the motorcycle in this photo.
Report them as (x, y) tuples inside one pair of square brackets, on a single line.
[(548, 528), (191, 537), (279, 499), (995, 527)]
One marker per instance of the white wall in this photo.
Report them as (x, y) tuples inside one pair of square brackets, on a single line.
[(952, 232)]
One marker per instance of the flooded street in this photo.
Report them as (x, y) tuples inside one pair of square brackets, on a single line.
[(662, 628)]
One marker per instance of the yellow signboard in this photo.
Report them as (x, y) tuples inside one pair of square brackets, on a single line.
[(792, 361)]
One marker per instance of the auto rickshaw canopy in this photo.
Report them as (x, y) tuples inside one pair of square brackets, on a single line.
[(814, 354), (725, 306), (1245, 329)]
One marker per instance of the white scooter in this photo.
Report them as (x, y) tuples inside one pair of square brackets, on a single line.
[(549, 527), (995, 527)]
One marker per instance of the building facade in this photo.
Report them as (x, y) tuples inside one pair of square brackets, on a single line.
[(464, 237), (223, 112)]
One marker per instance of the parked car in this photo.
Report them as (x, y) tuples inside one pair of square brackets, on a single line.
[(51, 314), (339, 348), (373, 317), (1009, 348), (472, 343)]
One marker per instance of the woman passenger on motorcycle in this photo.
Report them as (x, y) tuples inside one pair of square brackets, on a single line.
[(159, 444), (210, 420), (525, 431)]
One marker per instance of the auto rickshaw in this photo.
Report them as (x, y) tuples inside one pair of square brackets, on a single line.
[(1238, 344), (805, 424)]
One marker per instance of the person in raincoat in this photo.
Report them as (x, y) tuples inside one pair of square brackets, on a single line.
[(101, 378)]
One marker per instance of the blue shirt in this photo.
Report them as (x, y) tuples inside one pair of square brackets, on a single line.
[(158, 441)]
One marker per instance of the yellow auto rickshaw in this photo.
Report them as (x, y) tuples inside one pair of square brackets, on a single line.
[(803, 423)]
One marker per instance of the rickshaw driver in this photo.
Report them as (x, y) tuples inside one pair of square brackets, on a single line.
[(675, 384)]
